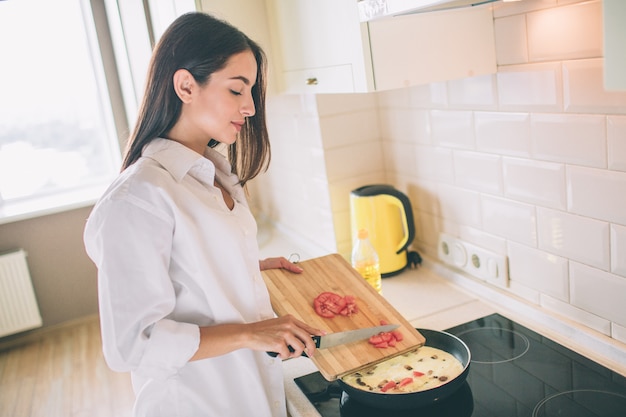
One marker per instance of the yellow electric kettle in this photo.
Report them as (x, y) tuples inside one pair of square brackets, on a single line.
[(387, 215)]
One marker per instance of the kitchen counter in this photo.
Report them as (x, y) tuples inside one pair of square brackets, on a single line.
[(433, 297)]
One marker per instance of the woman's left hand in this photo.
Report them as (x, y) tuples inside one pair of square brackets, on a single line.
[(279, 263)]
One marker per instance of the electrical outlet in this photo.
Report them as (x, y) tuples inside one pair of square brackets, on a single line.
[(478, 262)]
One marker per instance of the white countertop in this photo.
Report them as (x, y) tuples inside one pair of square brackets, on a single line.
[(428, 300)]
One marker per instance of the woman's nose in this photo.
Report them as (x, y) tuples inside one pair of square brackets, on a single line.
[(247, 109)]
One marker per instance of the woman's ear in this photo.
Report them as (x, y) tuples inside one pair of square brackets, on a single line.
[(184, 85)]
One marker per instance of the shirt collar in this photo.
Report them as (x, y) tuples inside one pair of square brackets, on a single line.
[(176, 158), (179, 161)]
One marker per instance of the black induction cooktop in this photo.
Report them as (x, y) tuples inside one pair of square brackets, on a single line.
[(514, 372)]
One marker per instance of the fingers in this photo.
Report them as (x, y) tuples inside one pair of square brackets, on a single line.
[(278, 263), (286, 336)]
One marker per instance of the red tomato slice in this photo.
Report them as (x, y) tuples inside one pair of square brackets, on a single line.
[(386, 339), (328, 304), (389, 385), (405, 381), (417, 373)]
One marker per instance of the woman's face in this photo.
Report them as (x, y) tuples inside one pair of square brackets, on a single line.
[(219, 108)]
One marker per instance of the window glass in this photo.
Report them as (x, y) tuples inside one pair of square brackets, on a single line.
[(56, 126)]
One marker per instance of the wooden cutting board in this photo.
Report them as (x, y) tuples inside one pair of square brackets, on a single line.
[(294, 294)]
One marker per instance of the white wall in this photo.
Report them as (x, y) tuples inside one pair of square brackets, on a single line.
[(529, 162)]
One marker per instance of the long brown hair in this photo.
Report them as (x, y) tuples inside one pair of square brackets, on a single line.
[(202, 45)]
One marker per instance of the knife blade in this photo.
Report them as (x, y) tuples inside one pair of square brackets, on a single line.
[(341, 338), (349, 336)]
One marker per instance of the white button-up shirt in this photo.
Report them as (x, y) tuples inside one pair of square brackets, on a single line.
[(172, 257)]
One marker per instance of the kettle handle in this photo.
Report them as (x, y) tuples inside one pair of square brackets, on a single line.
[(402, 202)]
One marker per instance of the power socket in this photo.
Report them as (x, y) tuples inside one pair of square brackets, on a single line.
[(476, 261)]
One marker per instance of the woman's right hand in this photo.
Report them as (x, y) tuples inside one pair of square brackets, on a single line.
[(271, 335), (278, 334)]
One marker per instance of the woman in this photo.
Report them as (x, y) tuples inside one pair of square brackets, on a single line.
[(183, 304)]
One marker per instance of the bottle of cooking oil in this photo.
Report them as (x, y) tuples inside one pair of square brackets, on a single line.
[(365, 260)]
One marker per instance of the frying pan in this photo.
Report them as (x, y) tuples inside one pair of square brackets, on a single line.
[(402, 401)]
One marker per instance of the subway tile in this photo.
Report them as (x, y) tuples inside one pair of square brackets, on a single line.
[(597, 193), (354, 160), (511, 40), (509, 219), (575, 237), (542, 271), (434, 163), (503, 133), (522, 291), (399, 157), (480, 238), (581, 316), (429, 96), (474, 93), (532, 87), (428, 229), (618, 332), (408, 125), (568, 32), (575, 139), (598, 292), (423, 196), (583, 89), (393, 99), (535, 182), (453, 128), (460, 205), (618, 249), (349, 128), (478, 171), (616, 142), (334, 104)]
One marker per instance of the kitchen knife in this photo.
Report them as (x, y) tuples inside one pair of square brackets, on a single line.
[(341, 338)]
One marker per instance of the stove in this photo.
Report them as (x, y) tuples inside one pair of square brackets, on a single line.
[(514, 372)]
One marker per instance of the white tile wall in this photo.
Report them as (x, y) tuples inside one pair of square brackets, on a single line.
[(503, 133), (616, 132), (529, 162), (535, 182)]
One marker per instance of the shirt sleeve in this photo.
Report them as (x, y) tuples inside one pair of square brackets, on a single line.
[(130, 243)]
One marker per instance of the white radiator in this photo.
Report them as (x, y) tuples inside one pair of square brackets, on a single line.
[(18, 305)]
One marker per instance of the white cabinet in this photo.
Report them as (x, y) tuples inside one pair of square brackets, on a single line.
[(614, 13), (320, 45), (323, 48)]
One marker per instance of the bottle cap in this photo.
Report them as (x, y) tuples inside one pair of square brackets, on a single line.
[(363, 234)]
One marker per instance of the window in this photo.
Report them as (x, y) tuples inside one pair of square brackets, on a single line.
[(58, 141)]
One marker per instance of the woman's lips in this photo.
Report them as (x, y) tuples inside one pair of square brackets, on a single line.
[(238, 125)]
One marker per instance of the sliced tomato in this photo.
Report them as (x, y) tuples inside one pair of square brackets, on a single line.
[(389, 385), (397, 335), (418, 373), (405, 381), (386, 339), (328, 304)]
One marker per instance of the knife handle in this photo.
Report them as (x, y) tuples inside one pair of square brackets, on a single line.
[(316, 339)]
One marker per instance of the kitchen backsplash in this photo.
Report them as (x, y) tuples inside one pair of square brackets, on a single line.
[(529, 162)]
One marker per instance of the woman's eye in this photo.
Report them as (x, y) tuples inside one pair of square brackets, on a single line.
[(237, 93)]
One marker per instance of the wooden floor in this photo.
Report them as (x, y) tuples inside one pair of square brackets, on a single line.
[(61, 373)]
